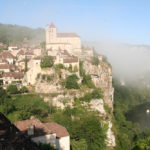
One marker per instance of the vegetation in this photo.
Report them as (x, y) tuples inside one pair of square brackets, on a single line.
[(14, 34), (26, 64), (81, 69), (47, 61), (128, 133), (95, 94), (46, 147), (85, 128), (12, 89), (21, 107), (87, 81), (71, 82), (95, 60), (24, 89)]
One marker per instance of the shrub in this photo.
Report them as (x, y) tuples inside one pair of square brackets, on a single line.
[(24, 89), (95, 61), (88, 81), (71, 82), (47, 61), (81, 70), (12, 89), (96, 94)]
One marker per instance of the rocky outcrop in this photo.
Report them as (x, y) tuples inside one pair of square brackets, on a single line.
[(102, 78)]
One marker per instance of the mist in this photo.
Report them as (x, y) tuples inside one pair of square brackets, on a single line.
[(129, 62)]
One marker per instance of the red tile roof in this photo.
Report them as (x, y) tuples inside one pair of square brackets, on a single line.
[(5, 55), (11, 138), (29, 53), (3, 61), (58, 129), (61, 35), (42, 128), (5, 66), (39, 128), (15, 75), (21, 52), (70, 60)]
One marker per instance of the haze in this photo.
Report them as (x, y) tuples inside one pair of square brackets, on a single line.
[(99, 21)]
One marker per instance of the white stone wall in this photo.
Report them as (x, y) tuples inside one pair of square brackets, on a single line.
[(5, 70), (73, 64), (63, 143), (37, 52), (46, 139), (65, 43)]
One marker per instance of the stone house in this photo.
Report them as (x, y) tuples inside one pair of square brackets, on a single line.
[(7, 56), (12, 47), (8, 68), (12, 138), (71, 61), (46, 133), (11, 77), (22, 54)]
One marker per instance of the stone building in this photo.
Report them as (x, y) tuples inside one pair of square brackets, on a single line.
[(66, 41), (46, 133)]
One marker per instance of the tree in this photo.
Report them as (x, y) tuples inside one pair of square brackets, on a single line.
[(47, 61), (24, 89), (26, 64), (71, 82), (87, 81), (12, 89), (3, 95)]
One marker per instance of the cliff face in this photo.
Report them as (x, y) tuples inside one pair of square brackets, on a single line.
[(61, 97), (102, 77)]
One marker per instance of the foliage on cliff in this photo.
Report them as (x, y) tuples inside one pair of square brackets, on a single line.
[(85, 127)]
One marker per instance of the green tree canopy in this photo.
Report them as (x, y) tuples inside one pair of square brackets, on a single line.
[(71, 82), (12, 89), (47, 61)]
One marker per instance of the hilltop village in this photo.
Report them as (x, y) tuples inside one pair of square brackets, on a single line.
[(21, 65), (65, 48)]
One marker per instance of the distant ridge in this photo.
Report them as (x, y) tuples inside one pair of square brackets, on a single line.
[(16, 34)]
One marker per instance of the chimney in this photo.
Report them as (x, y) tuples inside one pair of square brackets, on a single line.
[(30, 129)]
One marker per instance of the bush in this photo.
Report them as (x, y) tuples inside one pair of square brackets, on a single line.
[(81, 70), (96, 94), (46, 147), (24, 90), (88, 81), (47, 61), (12, 89), (95, 61), (71, 82)]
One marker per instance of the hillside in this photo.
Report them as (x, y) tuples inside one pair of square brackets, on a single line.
[(15, 34)]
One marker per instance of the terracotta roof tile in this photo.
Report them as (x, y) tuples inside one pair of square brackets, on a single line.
[(39, 127), (11, 138), (5, 55), (70, 60), (58, 129), (16, 75), (61, 35)]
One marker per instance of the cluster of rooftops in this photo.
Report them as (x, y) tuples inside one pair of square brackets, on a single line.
[(16, 136)]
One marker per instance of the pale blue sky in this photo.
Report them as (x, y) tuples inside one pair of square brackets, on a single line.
[(125, 20)]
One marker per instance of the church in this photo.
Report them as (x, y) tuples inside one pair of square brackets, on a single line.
[(64, 41)]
